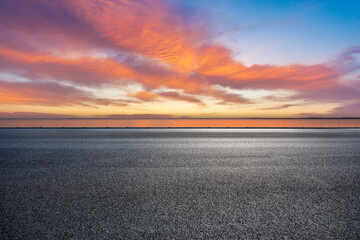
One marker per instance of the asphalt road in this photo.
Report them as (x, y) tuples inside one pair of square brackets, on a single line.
[(179, 184)]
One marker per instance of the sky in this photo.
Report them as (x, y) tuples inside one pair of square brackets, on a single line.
[(179, 58)]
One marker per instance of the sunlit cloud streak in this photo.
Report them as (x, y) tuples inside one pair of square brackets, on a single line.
[(49, 94), (34, 115)]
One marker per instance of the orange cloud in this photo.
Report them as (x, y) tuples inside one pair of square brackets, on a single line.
[(49, 94), (86, 70), (34, 115), (145, 95), (149, 96), (144, 27), (150, 28)]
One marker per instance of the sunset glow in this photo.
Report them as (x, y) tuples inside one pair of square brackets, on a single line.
[(178, 59)]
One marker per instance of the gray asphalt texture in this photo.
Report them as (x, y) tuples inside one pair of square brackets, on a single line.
[(179, 184)]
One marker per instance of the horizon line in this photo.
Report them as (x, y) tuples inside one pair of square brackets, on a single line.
[(260, 118)]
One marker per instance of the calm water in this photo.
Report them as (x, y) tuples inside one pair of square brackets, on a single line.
[(334, 123), (179, 184)]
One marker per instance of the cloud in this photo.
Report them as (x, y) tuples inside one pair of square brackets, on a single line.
[(55, 115), (48, 94), (83, 71), (34, 115), (136, 116), (55, 44), (348, 110), (181, 97), (279, 107), (347, 62)]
